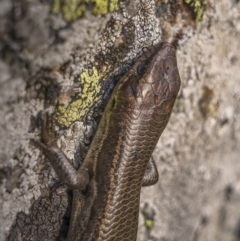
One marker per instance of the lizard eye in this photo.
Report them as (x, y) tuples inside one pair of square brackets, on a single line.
[(168, 65), (142, 67)]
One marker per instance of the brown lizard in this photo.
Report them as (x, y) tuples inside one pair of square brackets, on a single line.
[(107, 185)]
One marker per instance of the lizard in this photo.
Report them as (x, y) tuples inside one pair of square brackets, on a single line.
[(106, 187)]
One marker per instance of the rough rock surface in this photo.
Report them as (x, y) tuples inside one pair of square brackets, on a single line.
[(42, 57)]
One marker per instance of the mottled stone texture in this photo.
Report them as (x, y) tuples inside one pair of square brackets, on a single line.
[(48, 63)]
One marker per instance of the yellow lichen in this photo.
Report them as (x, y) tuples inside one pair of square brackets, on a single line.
[(104, 6), (149, 223), (101, 7), (198, 7), (113, 5), (56, 6), (74, 9), (79, 108)]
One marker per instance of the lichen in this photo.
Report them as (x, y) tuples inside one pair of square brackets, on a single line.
[(74, 9), (197, 7), (89, 94)]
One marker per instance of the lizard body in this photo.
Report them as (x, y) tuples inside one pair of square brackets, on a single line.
[(107, 185)]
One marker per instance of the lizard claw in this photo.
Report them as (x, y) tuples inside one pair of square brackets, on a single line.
[(37, 143), (48, 133)]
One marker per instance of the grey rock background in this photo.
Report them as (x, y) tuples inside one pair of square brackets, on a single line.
[(198, 194)]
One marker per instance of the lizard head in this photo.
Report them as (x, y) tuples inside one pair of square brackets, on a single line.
[(152, 84), (156, 81)]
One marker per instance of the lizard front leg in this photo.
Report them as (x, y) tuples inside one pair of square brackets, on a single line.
[(74, 179)]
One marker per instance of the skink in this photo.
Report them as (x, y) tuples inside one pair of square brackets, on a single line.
[(107, 185)]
